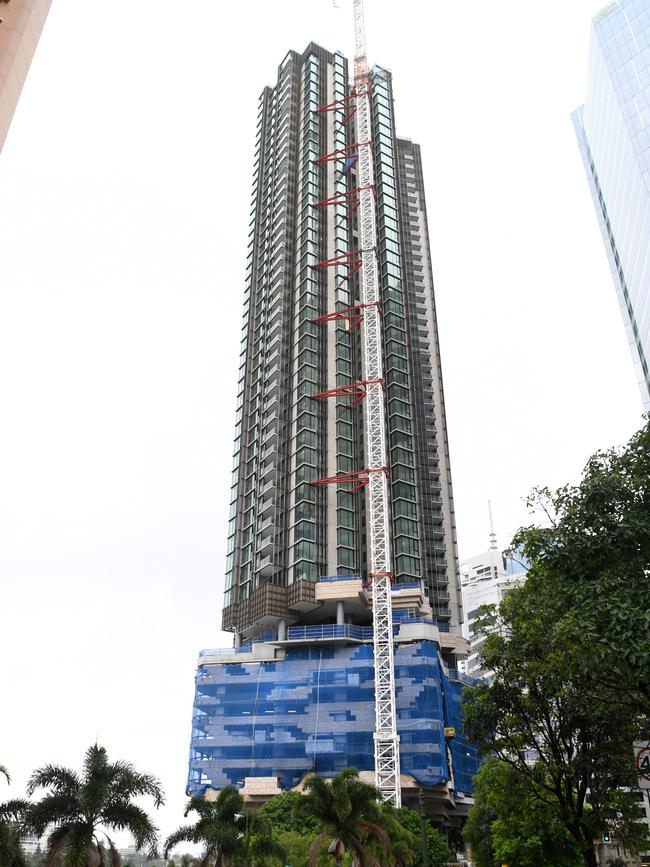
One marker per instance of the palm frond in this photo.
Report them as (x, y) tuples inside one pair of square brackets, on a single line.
[(5, 774), (375, 830), (62, 780), (127, 782), (229, 802), (13, 811), (130, 817), (199, 805), (58, 809), (184, 834), (55, 853)]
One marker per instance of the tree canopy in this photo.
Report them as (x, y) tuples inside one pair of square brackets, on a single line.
[(591, 557), (510, 824), (570, 650)]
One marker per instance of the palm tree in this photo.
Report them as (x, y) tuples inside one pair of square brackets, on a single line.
[(228, 836), (82, 806), (348, 809), (219, 829)]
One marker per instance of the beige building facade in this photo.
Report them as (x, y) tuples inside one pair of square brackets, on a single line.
[(21, 24)]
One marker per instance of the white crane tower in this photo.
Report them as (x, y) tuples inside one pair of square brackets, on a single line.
[(371, 388), (387, 771)]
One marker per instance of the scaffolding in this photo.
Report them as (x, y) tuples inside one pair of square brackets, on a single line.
[(313, 712)]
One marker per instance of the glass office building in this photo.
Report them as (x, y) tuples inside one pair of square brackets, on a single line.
[(613, 129)]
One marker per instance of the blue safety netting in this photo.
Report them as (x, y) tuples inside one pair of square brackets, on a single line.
[(314, 712)]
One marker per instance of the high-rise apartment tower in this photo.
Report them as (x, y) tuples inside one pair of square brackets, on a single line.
[(295, 694), (287, 530), (21, 23), (613, 130)]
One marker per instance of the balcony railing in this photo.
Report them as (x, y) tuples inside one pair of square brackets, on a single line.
[(326, 579), (331, 630)]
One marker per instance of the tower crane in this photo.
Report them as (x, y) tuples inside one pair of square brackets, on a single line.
[(387, 768)]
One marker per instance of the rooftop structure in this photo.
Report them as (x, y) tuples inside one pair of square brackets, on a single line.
[(613, 130), (21, 23)]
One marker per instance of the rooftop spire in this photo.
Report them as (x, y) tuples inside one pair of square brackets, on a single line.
[(493, 535)]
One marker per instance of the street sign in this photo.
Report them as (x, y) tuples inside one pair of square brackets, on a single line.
[(450, 732), (642, 763)]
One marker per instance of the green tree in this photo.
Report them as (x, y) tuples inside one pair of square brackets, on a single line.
[(11, 817), (83, 807), (542, 701), (438, 853), (510, 824), (296, 846), (229, 837), (349, 814), (286, 814), (591, 558), (259, 848)]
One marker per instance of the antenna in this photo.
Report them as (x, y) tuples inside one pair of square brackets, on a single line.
[(493, 535)]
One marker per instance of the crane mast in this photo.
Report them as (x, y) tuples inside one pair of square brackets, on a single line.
[(387, 770)]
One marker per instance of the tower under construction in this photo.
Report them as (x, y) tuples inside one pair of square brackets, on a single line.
[(342, 583)]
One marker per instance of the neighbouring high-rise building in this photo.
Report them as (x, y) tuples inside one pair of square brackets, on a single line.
[(613, 130), (485, 579), (21, 23), (295, 694)]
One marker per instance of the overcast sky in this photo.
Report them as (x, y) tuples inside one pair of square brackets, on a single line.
[(124, 196)]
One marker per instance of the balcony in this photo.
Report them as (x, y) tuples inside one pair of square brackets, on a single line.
[(329, 632), (267, 566), (268, 470), (267, 522), (271, 432), (266, 544), (266, 507)]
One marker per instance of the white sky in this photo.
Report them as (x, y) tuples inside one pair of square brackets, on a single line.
[(124, 197)]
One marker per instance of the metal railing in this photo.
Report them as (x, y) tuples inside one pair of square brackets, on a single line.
[(326, 579), (331, 630)]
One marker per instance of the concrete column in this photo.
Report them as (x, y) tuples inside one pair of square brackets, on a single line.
[(282, 630), (237, 639), (340, 613)]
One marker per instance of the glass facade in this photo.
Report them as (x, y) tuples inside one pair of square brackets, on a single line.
[(613, 130)]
